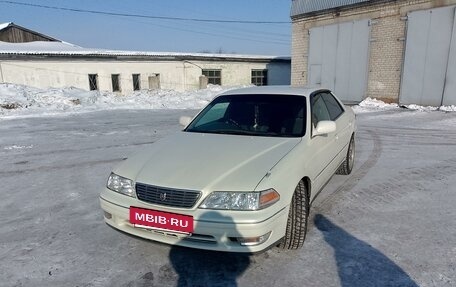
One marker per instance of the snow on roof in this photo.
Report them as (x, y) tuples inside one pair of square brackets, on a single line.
[(299, 7), (67, 49), (61, 48), (5, 25), (37, 46)]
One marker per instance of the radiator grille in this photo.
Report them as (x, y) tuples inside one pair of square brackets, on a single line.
[(167, 196)]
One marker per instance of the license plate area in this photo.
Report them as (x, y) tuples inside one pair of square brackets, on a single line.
[(160, 220)]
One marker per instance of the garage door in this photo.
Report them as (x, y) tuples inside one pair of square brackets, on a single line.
[(338, 59), (449, 94), (429, 75)]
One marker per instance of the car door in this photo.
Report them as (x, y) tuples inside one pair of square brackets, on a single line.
[(323, 151), (327, 150), (343, 123)]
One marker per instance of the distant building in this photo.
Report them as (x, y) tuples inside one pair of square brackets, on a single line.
[(30, 58), (398, 51)]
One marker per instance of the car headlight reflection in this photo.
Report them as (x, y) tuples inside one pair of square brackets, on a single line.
[(121, 185), (240, 200)]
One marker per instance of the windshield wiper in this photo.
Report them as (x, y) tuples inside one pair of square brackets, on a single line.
[(241, 132), (234, 132)]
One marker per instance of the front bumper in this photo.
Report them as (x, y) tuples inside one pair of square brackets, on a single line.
[(209, 235)]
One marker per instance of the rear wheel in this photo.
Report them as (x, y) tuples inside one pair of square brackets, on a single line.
[(297, 219), (347, 165)]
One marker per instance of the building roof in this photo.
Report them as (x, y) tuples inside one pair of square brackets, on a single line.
[(5, 26), (60, 49), (302, 7), (39, 49)]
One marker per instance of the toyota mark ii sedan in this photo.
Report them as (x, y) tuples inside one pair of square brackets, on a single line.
[(240, 176)]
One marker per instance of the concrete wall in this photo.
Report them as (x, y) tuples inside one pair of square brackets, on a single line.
[(387, 43), (176, 75)]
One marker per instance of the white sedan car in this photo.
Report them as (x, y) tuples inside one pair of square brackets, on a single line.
[(242, 174)]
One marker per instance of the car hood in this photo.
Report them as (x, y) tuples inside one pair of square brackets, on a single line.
[(200, 161)]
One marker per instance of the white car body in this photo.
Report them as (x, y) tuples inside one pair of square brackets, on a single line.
[(206, 162)]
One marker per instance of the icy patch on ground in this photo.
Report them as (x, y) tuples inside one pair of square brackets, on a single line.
[(18, 147), (24, 101)]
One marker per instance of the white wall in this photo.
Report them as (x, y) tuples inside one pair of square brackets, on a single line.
[(176, 75)]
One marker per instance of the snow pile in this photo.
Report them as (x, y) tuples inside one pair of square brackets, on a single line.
[(451, 108), (25, 101), (421, 108), (370, 105)]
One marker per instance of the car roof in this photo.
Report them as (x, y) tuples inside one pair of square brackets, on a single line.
[(275, 90)]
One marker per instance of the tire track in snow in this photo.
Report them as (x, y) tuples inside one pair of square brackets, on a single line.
[(61, 151), (58, 167), (376, 196), (357, 175), (412, 180)]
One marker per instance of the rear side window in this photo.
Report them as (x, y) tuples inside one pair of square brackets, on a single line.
[(334, 108)]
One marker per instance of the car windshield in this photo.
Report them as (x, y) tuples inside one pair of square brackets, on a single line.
[(254, 115)]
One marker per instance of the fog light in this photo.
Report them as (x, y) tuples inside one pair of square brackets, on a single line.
[(107, 215), (251, 241)]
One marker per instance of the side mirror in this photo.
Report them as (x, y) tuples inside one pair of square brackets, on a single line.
[(184, 121), (325, 127)]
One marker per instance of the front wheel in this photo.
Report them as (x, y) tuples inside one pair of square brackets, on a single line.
[(297, 219), (347, 166)]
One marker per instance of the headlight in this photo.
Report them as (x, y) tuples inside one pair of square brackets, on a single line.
[(121, 185), (240, 200)]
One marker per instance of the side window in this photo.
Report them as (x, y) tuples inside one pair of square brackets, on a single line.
[(334, 108), (319, 110)]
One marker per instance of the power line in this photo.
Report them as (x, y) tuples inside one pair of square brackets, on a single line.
[(250, 39), (143, 16), (214, 30)]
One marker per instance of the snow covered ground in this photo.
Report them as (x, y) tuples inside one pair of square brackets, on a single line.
[(390, 223)]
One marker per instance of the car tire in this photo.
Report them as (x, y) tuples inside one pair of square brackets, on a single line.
[(347, 166), (295, 233)]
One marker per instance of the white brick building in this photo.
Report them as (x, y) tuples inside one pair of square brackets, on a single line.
[(31, 58), (397, 51)]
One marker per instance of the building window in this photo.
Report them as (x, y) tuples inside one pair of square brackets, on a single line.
[(136, 82), (214, 77), (260, 77), (154, 81), (93, 82), (115, 79)]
